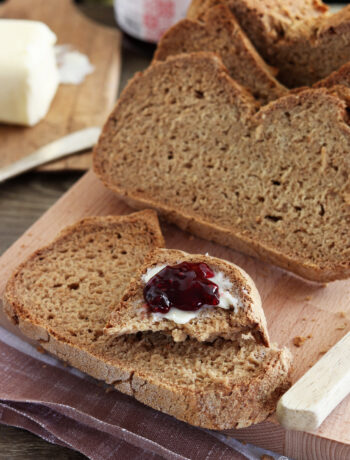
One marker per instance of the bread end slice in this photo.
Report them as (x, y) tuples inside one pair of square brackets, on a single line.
[(242, 315)]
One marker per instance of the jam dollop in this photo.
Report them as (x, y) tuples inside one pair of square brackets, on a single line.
[(185, 286)]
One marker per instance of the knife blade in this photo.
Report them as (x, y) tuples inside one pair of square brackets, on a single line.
[(72, 143)]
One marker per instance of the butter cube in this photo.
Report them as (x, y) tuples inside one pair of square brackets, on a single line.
[(28, 71)]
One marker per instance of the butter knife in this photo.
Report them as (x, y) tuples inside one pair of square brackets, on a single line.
[(72, 143)]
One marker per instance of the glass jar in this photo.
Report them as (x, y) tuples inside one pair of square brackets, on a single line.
[(147, 20)]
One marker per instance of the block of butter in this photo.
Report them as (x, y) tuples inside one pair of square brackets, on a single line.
[(28, 71)]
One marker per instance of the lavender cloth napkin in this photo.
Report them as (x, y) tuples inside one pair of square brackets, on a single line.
[(65, 407)]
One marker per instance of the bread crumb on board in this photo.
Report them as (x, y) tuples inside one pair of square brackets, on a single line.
[(299, 341), (308, 297), (342, 314), (266, 457)]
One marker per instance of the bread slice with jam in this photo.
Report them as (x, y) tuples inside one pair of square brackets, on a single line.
[(61, 297), (220, 33), (188, 295)]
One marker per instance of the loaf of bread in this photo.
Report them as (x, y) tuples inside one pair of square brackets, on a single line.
[(298, 37), (313, 49), (273, 184), (239, 312), (220, 33), (61, 296), (264, 21)]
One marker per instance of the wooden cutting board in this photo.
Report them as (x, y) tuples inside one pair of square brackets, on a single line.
[(74, 106), (293, 307)]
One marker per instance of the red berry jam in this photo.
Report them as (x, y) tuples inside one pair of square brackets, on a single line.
[(185, 286)]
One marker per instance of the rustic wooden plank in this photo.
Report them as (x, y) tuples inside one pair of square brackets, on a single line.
[(293, 307), (74, 106), (16, 444), (24, 199)]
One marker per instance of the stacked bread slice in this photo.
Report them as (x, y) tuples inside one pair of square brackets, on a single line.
[(299, 37), (220, 33), (62, 294)]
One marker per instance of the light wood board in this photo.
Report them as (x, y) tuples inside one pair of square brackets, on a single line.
[(74, 106), (293, 308)]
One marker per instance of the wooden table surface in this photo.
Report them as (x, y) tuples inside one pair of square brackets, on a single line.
[(22, 201)]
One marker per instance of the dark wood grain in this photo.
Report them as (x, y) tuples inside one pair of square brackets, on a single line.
[(16, 444), (22, 201)]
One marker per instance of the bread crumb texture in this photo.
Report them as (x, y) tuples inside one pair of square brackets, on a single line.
[(62, 296), (271, 183)]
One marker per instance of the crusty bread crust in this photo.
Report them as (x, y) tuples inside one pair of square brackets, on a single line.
[(219, 406), (126, 318), (251, 124), (213, 409), (340, 76)]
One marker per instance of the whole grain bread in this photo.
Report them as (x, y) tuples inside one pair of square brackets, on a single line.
[(264, 21), (313, 49), (61, 297), (220, 33), (298, 37), (245, 316), (338, 77), (272, 183)]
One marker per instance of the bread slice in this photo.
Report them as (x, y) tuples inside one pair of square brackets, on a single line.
[(264, 21), (273, 184), (240, 314), (313, 49), (221, 33), (298, 37), (61, 296)]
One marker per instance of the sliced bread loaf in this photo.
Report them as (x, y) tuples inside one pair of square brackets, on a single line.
[(219, 32), (299, 37), (239, 311), (273, 183), (313, 49), (61, 296), (264, 21)]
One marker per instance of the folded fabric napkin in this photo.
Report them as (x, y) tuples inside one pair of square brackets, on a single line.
[(66, 407)]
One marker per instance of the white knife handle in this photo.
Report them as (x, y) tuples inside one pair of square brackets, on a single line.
[(72, 143), (313, 397)]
